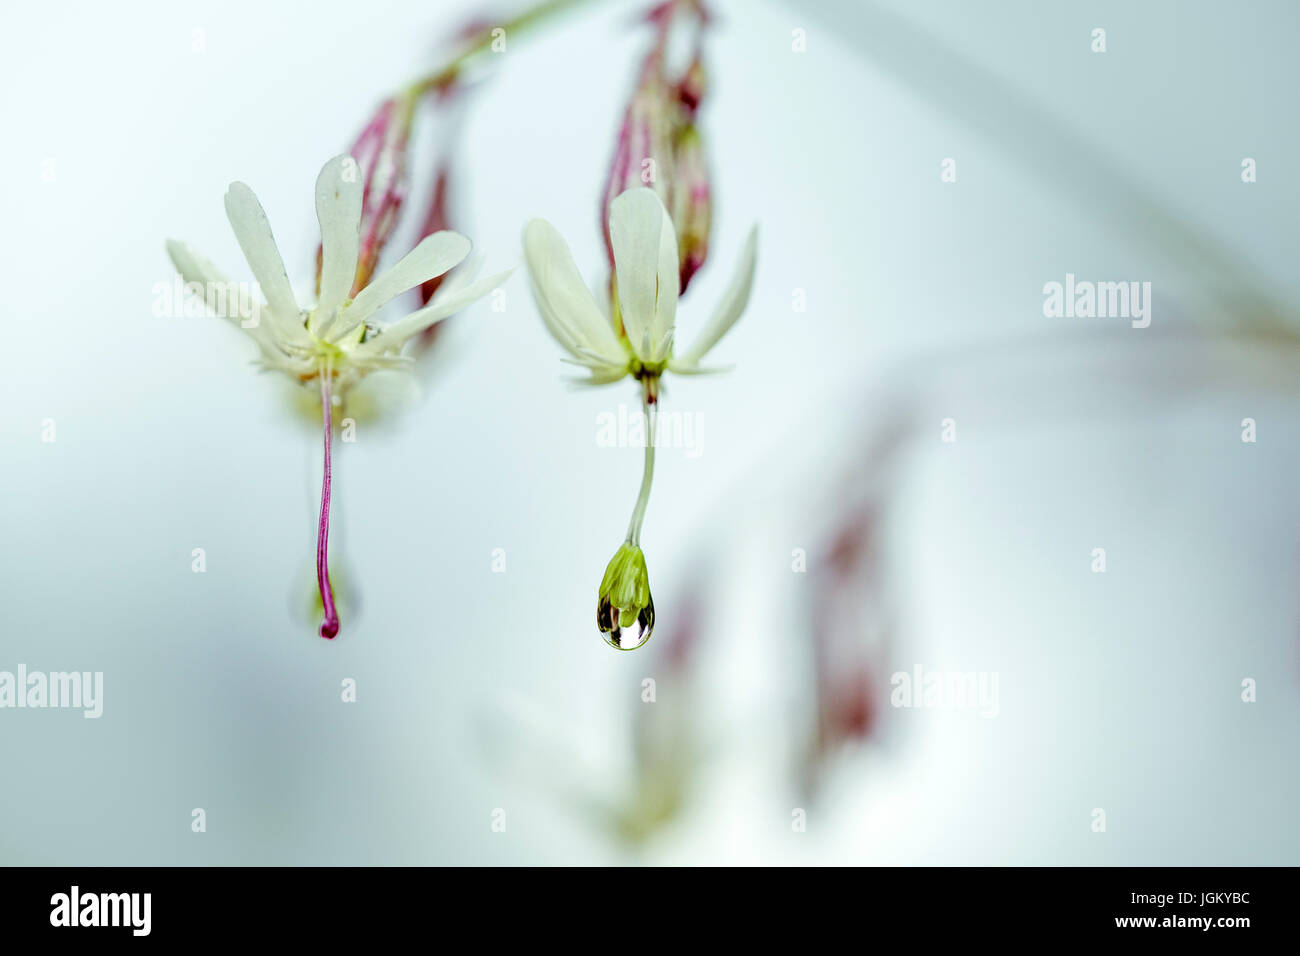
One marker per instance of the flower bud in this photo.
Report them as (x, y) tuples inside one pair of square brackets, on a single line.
[(659, 144), (436, 221), (692, 204), (625, 602)]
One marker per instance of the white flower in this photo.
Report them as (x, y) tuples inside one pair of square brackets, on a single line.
[(647, 275), (636, 340), (334, 343), (337, 333)]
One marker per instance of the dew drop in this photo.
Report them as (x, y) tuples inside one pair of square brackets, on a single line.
[(625, 638)]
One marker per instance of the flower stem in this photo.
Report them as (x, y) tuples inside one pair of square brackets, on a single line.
[(483, 40), (330, 625), (647, 475)]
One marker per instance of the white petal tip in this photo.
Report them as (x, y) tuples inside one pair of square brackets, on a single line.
[(637, 195), (340, 168), (454, 239), (538, 229)]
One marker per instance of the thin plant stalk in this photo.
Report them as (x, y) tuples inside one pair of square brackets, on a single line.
[(647, 475), (483, 40), (330, 625)]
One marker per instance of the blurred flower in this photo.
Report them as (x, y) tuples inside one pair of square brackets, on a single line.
[(668, 739), (848, 615), (659, 144), (645, 297), (334, 342), (625, 599)]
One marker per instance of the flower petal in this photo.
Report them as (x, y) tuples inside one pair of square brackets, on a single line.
[(645, 261), (600, 374), (458, 278), (434, 255), (194, 268), (339, 189), (565, 303), (732, 305), (689, 367), (253, 231), (393, 336)]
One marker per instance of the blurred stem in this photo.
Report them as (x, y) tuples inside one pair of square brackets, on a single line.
[(650, 408), (1050, 146), (482, 40)]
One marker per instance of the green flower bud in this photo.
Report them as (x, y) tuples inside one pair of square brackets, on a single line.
[(625, 602)]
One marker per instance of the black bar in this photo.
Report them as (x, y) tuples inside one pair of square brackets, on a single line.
[(1165, 906)]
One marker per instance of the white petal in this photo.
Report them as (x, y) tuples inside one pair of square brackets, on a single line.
[(253, 231), (600, 374), (432, 257), (193, 267), (645, 260), (339, 189), (459, 278), (594, 360), (392, 336), (732, 305), (565, 303), (687, 367)]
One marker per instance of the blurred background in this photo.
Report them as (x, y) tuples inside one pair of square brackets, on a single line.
[(820, 536)]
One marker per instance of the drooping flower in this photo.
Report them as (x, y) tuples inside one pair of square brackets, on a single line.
[(336, 341), (645, 296), (338, 333), (636, 340)]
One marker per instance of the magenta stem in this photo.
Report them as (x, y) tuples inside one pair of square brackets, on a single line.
[(330, 625)]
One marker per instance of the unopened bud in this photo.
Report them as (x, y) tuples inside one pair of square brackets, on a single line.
[(436, 221), (659, 144), (692, 203)]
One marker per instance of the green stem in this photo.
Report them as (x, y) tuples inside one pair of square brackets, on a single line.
[(648, 473), (483, 40)]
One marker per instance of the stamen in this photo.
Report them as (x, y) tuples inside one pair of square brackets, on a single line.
[(330, 625)]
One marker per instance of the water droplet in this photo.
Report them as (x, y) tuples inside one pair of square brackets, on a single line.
[(625, 638)]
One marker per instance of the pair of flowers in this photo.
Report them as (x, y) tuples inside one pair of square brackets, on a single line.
[(338, 340)]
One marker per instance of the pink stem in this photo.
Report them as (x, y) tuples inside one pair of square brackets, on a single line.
[(330, 626)]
